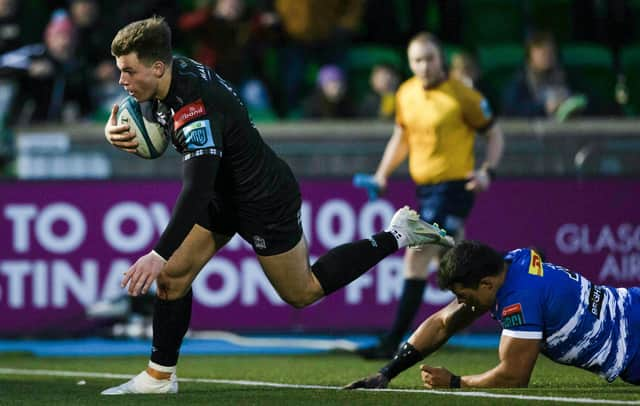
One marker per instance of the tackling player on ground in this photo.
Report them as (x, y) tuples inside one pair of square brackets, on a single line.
[(542, 307), (232, 183)]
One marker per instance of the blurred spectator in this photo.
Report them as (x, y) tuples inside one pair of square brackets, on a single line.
[(315, 32), (256, 98), (222, 34), (94, 36), (380, 100), (52, 81), (311, 21), (464, 68), (330, 98), (541, 88), (11, 31)]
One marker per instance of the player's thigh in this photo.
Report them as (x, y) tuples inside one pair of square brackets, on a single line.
[(290, 274), (213, 229)]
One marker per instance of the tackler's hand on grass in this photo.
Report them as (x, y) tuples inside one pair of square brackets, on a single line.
[(143, 273), (435, 377), (377, 381)]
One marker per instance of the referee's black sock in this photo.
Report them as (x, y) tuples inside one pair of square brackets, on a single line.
[(408, 306), (347, 262), (171, 320)]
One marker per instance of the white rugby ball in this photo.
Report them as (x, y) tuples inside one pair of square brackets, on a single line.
[(152, 141)]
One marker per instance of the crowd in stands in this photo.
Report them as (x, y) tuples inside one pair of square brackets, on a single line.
[(328, 59)]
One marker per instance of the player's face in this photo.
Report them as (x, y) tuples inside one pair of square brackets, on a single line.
[(480, 299), (425, 62), (139, 80)]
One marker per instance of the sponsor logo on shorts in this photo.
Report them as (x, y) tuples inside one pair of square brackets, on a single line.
[(512, 316), (259, 242), (189, 113)]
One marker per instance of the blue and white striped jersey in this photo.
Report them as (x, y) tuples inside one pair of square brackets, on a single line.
[(593, 327)]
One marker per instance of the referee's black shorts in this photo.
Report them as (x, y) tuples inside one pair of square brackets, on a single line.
[(446, 203)]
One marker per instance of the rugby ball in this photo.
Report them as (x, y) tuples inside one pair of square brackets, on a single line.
[(152, 141)]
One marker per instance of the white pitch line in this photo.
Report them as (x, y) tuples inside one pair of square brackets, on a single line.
[(312, 343), (103, 375)]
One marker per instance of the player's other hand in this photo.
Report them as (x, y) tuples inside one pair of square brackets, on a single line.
[(478, 181), (377, 381), (435, 377), (143, 273), (120, 136)]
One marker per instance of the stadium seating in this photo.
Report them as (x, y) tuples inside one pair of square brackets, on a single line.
[(498, 64), (591, 69), (630, 64), (491, 22)]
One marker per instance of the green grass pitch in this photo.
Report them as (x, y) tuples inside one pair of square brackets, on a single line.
[(336, 369)]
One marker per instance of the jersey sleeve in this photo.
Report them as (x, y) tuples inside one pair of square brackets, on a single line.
[(476, 110), (520, 315), (199, 176), (198, 131)]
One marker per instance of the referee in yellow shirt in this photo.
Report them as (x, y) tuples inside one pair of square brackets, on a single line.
[(437, 119)]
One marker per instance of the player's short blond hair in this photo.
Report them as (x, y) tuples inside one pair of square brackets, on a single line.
[(149, 38)]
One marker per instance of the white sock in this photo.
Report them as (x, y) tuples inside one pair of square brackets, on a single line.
[(162, 368), (400, 238)]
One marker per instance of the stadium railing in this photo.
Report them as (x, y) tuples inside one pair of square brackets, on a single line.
[(536, 148)]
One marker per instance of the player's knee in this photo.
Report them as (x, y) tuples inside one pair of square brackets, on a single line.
[(171, 288)]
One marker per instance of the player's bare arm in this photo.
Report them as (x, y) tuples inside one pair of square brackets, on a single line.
[(480, 179), (517, 359), (430, 335), (395, 153), (120, 136), (440, 326)]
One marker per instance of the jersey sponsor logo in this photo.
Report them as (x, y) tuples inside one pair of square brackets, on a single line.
[(535, 265), (189, 113), (512, 316), (198, 135), (596, 295)]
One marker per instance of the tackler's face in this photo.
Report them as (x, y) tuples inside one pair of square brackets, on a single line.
[(425, 62), (140, 80), (480, 299)]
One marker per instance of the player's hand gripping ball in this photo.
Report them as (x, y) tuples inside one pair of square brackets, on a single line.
[(152, 140)]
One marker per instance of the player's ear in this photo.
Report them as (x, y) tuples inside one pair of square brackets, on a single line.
[(158, 68)]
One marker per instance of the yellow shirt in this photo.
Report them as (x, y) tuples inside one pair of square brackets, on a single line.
[(440, 125)]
